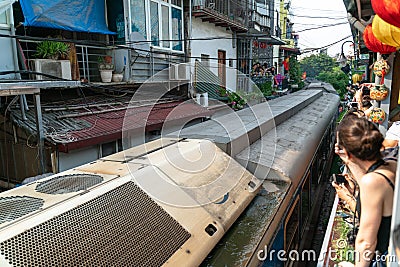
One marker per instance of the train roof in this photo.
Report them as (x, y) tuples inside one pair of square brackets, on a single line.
[(281, 158)]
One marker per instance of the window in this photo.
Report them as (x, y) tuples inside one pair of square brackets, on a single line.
[(159, 21), (138, 17), (165, 26), (3, 18), (177, 29), (291, 230), (108, 149), (154, 24)]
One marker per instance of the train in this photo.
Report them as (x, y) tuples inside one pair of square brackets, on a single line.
[(217, 193)]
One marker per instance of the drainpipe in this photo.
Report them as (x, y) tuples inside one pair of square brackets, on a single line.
[(189, 48), (16, 66)]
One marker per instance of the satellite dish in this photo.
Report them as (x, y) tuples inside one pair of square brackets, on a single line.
[(141, 45)]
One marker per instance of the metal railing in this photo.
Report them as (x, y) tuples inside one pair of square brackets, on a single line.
[(232, 10), (262, 20), (88, 59)]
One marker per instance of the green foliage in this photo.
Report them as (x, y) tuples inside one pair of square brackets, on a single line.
[(234, 100), (315, 64), (295, 72), (266, 88), (52, 50), (337, 78)]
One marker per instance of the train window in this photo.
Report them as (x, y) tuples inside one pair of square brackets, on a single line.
[(305, 202), (291, 230)]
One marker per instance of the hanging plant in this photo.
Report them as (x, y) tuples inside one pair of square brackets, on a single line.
[(381, 68), (373, 44), (388, 10), (379, 92), (385, 32)]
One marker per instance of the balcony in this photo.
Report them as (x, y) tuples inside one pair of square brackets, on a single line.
[(222, 13), (261, 23)]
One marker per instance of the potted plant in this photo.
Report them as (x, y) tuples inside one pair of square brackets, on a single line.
[(106, 68), (52, 50), (52, 59)]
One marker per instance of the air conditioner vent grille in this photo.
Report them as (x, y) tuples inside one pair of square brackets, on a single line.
[(123, 227), (68, 183), (12, 208)]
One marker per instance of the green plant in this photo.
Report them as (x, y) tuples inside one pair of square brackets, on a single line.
[(105, 63), (52, 50), (234, 100)]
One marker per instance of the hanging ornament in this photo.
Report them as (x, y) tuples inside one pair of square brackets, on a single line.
[(381, 68), (385, 32), (388, 10), (377, 115), (373, 44), (379, 92)]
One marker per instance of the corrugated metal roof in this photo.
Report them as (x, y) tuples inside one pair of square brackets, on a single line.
[(91, 126)]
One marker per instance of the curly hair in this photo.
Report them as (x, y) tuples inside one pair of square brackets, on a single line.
[(360, 137)]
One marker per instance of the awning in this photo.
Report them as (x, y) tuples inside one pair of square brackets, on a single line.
[(293, 50), (271, 40), (79, 16)]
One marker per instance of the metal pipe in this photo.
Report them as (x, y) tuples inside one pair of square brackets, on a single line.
[(16, 64), (355, 23), (25, 102), (40, 133), (22, 106)]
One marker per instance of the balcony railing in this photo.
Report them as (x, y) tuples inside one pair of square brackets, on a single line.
[(262, 20), (222, 13)]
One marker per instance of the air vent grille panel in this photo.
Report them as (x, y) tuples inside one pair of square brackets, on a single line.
[(14, 207), (68, 183), (123, 227)]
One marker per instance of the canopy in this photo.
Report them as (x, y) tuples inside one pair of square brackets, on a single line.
[(71, 15)]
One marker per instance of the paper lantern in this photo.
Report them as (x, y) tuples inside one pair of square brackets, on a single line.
[(377, 115), (385, 32), (381, 68), (388, 10), (373, 44), (379, 92)]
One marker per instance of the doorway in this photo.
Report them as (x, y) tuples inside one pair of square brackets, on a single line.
[(222, 67)]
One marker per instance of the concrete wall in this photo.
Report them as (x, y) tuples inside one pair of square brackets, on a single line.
[(202, 29)]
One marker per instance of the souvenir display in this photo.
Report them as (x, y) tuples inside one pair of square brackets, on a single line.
[(379, 92), (377, 115)]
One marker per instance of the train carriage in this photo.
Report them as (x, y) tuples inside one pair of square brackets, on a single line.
[(139, 207)]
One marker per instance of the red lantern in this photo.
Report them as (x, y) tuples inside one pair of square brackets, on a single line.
[(373, 44), (388, 10)]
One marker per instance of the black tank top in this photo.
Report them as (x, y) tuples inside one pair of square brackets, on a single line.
[(384, 228)]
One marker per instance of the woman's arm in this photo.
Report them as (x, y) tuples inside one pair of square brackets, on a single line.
[(372, 196)]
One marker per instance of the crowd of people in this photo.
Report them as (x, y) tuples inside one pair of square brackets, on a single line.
[(368, 190), (262, 70)]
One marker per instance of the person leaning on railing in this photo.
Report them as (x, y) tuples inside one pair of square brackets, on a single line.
[(359, 144)]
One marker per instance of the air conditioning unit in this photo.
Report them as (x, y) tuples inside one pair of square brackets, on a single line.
[(57, 68), (179, 72)]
